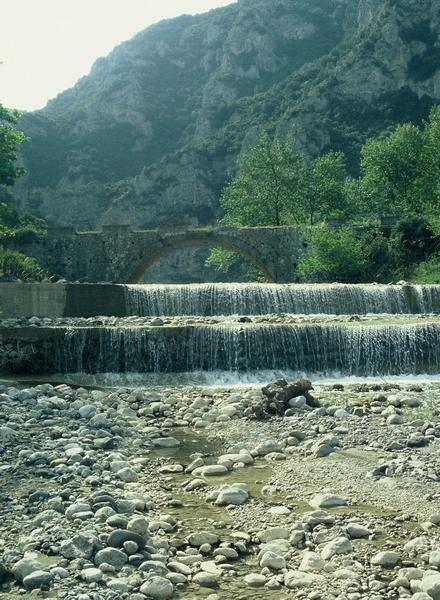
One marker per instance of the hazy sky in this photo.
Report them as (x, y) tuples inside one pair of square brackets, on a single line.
[(47, 45)]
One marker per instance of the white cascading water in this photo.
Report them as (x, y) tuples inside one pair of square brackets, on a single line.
[(256, 299), (347, 349)]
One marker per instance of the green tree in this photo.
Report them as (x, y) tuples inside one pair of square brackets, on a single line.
[(12, 225), (401, 171), (265, 189), (277, 185), (391, 168), (10, 141), (431, 170), (322, 193), (263, 193)]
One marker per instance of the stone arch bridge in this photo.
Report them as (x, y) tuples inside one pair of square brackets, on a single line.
[(120, 254)]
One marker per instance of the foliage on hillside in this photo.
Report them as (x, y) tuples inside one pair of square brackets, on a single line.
[(164, 70), (19, 227), (10, 140), (180, 101)]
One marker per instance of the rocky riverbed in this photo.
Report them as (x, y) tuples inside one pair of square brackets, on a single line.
[(179, 493)]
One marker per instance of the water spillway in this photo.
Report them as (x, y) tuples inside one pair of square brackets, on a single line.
[(294, 328), (346, 349), (257, 299), (74, 300)]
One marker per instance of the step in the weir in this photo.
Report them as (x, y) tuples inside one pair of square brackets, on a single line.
[(347, 349), (55, 300), (255, 299)]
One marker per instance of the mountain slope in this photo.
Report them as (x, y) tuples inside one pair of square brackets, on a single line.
[(150, 136)]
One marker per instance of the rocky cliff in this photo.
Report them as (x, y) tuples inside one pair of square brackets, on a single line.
[(152, 133)]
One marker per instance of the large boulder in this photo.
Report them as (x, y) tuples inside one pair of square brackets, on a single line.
[(276, 397)]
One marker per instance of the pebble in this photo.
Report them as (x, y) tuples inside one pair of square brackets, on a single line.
[(356, 531), (298, 579), (202, 537), (37, 579), (210, 471), (112, 556), (386, 559), (340, 545), (118, 537), (235, 494), (255, 580), (207, 580), (27, 565), (327, 501), (158, 588), (81, 513), (272, 560), (92, 575)]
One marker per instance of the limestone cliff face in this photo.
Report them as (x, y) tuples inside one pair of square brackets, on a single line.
[(151, 135)]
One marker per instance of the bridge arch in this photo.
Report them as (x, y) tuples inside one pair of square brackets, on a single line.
[(172, 244)]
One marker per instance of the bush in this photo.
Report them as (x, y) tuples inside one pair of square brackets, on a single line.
[(336, 255), (349, 256), (418, 239), (427, 272), (19, 227), (15, 265)]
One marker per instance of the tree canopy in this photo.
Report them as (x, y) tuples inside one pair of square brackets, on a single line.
[(14, 226), (265, 190), (401, 171), (277, 185), (400, 176)]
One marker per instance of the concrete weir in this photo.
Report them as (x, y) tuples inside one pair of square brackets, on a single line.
[(125, 339), (347, 349), (56, 300)]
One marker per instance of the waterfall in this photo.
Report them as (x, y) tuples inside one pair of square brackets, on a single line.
[(350, 350), (255, 299)]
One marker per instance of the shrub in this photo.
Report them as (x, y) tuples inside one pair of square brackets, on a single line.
[(15, 265), (427, 272), (335, 255)]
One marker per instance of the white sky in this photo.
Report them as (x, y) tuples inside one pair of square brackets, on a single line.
[(47, 45)]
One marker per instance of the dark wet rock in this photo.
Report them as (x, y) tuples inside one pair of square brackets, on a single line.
[(276, 397), (119, 536), (39, 496)]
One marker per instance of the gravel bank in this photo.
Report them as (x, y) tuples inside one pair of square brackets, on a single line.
[(178, 493)]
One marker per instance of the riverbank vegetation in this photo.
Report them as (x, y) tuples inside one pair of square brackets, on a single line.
[(14, 227), (382, 226)]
